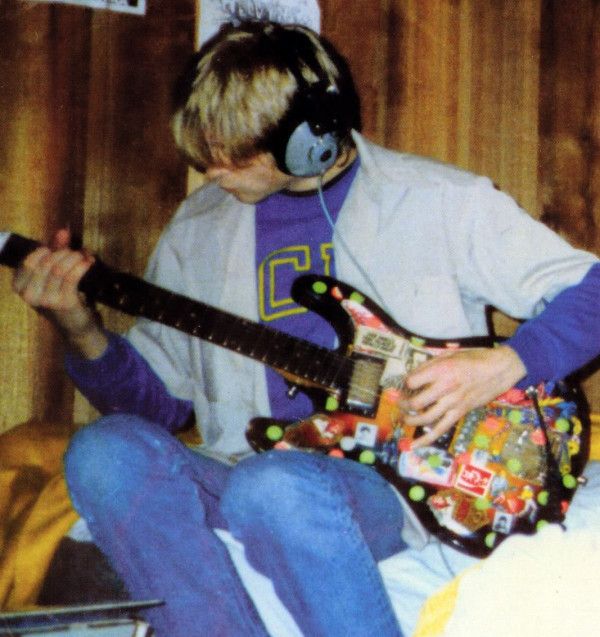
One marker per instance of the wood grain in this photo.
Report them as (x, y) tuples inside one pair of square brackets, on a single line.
[(506, 88), (84, 142)]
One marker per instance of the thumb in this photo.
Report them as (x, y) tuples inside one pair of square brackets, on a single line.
[(61, 239)]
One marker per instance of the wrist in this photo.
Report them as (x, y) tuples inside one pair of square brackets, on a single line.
[(513, 367), (85, 335), (90, 345)]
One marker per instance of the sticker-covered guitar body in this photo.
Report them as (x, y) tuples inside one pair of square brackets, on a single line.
[(508, 467)]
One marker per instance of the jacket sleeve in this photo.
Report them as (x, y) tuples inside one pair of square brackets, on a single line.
[(505, 257), (520, 266)]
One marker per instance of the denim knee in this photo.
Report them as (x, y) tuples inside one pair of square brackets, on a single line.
[(265, 490), (107, 457), (290, 495)]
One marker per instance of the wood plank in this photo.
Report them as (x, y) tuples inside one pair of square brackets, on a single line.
[(465, 88), (84, 141), (570, 131), (362, 37), (41, 173)]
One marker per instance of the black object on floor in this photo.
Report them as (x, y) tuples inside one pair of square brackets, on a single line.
[(80, 574)]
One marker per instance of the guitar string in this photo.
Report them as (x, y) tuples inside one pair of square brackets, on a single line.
[(205, 325)]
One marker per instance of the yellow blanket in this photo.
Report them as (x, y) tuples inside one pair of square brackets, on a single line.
[(35, 510)]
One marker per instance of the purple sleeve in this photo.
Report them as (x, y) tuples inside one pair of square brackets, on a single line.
[(565, 336), (122, 381)]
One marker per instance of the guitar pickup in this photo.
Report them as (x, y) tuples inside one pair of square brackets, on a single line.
[(365, 383)]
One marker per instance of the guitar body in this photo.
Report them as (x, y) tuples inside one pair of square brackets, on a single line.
[(505, 468), (508, 467)]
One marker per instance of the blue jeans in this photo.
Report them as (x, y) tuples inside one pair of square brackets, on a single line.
[(316, 526)]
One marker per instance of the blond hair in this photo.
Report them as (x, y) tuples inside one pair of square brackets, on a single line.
[(240, 85)]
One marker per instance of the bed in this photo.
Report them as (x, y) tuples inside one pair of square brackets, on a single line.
[(543, 579)]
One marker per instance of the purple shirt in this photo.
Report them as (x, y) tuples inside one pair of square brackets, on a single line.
[(294, 237), (121, 381)]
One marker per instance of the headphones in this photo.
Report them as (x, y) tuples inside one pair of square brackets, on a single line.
[(305, 142)]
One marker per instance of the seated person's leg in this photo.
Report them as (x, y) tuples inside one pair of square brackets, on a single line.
[(317, 526), (151, 505)]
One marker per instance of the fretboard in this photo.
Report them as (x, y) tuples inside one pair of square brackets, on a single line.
[(319, 366)]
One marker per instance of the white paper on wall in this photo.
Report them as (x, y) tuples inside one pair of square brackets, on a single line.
[(214, 13), (137, 7)]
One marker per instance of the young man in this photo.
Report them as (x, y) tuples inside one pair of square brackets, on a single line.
[(270, 114)]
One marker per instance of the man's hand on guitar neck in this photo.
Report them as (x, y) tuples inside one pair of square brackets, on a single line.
[(450, 385), (47, 281)]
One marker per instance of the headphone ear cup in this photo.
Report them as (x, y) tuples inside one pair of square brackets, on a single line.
[(309, 155)]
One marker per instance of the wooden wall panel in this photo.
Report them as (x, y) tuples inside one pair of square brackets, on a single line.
[(507, 88), (457, 80), (363, 37), (569, 103), (570, 132), (40, 180), (84, 141), (134, 172)]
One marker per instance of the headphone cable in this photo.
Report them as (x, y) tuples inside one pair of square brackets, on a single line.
[(342, 242)]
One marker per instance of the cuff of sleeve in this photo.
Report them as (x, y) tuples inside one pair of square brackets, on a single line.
[(532, 352)]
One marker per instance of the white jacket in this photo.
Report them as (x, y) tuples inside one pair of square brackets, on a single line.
[(438, 244)]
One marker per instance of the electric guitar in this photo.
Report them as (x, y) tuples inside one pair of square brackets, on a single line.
[(508, 467)]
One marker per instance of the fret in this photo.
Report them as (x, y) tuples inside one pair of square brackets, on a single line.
[(258, 343), (299, 362), (277, 351), (205, 325), (219, 329), (329, 368), (243, 333), (237, 332)]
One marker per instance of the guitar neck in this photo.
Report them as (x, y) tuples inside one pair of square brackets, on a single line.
[(300, 359)]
